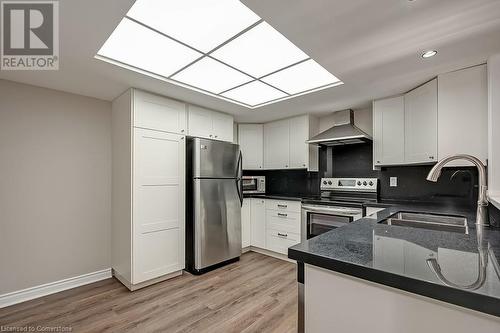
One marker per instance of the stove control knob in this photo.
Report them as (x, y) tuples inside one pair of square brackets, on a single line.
[(365, 183), (370, 183), (324, 182), (329, 182), (359, 183)]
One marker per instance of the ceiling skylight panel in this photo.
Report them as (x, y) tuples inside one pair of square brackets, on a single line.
[(260, 51), (254, 93), (301, 77), (138, 46), (211, 75), (202, 24)]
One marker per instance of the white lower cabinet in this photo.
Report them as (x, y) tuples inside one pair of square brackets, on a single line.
[(246, 223), (258, 223), (274, 224), (148, 212)]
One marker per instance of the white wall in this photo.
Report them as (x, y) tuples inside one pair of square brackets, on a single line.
[(55, 185), (362, 119), (494, 126)]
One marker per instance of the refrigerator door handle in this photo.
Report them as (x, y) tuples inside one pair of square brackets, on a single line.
[(239, 180)]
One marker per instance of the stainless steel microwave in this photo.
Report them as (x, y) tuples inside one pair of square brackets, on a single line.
[(254, 184)]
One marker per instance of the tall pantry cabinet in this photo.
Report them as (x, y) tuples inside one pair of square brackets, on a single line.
[(148, 188)]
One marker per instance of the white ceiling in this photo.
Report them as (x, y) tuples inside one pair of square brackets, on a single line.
[(373, 46)]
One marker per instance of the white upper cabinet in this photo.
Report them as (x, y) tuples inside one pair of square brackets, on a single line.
[(276, 144), (405, 127), (285, 144), (421, 124), (251, 141), (389, 131), (158, 113), (222, 126), (463, 114), (210, 124)]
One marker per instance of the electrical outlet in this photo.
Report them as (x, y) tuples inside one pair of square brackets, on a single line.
[(393, 181)]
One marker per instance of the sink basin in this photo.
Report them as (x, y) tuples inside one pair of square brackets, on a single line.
[(429, 221)]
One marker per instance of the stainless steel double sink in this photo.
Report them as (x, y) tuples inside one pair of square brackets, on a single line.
[(429, 221)]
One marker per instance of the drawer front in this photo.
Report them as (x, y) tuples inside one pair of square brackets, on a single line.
[(283, 205), (280, 241), (283, 220)]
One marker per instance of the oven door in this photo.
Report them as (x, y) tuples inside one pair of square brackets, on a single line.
[(318, 219)]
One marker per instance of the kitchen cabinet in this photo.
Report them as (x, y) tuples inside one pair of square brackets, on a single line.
[(421, 124), (277, 144), (258, 223), (285, 144), (148, 186), (282, 225), (246, 223), (159, 113), (463, 114), (373, 210), (388, 131), (405, 127), (251, 141), (204, 123)]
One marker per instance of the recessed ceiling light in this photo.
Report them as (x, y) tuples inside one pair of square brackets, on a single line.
[(216, 47), (428, 54)]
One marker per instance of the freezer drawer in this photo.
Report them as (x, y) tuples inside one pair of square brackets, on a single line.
[(217, 221)]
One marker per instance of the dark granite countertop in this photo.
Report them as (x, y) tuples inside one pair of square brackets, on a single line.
[(359, 249), (276, 196)]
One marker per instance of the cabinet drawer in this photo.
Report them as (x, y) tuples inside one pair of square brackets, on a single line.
[(283, 205), (280, 241), (281, 220)]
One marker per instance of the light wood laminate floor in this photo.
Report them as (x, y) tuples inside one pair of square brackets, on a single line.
[(256, 294)]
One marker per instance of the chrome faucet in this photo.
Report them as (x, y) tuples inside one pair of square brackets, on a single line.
[(482, 200)]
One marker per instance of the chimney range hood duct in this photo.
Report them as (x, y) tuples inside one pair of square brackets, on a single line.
[(343, 133)]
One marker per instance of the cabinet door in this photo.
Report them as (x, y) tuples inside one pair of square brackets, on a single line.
[(200, 122), (246, 223), (251, 141), (158, 204), (159, 113), (277, 144), (299, 149), (258, 223), (463, 114), (222, 126), (389, 131), (421, 124)]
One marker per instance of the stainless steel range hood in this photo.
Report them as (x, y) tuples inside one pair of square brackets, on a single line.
[(343, 133)]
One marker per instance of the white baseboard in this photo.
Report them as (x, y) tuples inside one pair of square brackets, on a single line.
[(52, 287)]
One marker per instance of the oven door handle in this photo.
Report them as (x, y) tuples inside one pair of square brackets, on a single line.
[(333, 211)]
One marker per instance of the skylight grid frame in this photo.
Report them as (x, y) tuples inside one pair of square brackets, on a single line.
[(170, 78)]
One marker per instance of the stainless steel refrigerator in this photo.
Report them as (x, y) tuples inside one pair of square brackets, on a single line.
[(214, 199)]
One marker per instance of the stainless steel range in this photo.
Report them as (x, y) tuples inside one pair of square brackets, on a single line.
[(340, 202)]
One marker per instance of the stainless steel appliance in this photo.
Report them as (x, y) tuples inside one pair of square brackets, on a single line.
[(340, 202), (214, 199), (254, 184)]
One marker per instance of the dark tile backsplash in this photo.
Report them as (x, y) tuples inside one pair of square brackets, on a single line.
[(288, 182), (457, 184)]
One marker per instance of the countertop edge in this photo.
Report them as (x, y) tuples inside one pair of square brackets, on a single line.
[(473, 301)]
